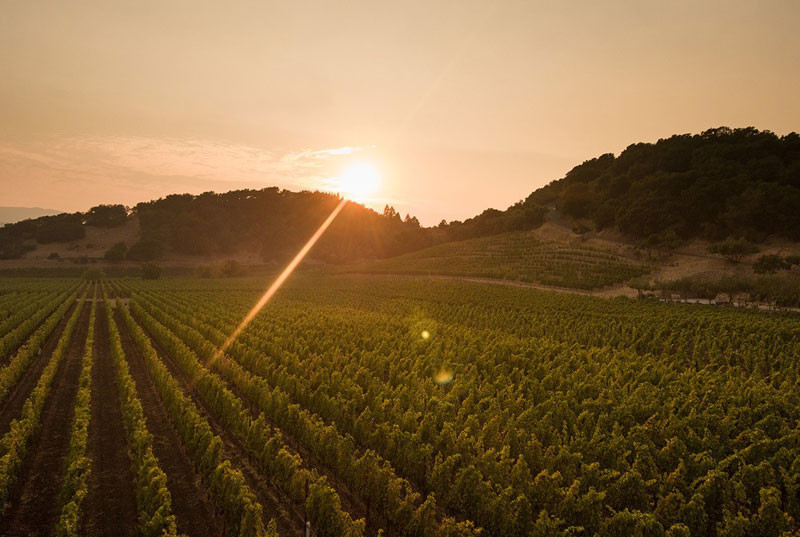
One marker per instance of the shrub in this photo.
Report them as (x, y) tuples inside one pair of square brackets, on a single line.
[(770, 264), (151, 271), (733, 249), (146, 250), (116, 252), (94, 275)]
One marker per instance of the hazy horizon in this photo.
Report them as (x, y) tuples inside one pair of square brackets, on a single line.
[(460, 106)]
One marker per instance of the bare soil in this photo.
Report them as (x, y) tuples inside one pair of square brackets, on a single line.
[(110, 505), (194, 510), (34, 509)]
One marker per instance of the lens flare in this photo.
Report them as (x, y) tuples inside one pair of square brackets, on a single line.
[(278, 281), (358, 181), (444, 376)]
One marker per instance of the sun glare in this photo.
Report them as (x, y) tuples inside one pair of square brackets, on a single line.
[(358, 181)]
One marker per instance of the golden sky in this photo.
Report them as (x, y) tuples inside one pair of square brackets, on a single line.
[(460, 105)]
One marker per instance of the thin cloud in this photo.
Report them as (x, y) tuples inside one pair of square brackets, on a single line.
[(136, 167)]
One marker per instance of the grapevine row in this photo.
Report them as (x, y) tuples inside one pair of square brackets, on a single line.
[(78, 466), (28, 319), (14, 443), (578, 417), (367, 473), (229, 492), (152, 495), (19, 363), (267, 448)]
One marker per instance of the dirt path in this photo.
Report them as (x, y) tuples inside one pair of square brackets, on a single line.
[(490, 281), (34, 509), (193, 509), (12, 407), (110, 505), (288, 517)]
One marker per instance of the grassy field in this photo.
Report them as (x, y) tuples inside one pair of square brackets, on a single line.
[(516, 256)]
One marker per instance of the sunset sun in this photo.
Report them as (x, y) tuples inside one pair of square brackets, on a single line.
[(358, 181)]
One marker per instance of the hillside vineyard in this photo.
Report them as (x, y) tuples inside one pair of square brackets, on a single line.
[(365, 405)]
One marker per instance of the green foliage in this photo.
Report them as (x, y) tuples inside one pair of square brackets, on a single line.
[(14, 444), (151, 271), (146, 250), (94, 275), (106, 216), (515, 256), (229, 268), (716, 184), (152, 496), (565, 415), (518, 217), (277, 223), (78, 464), (60, 228), (781, 290), (116, 253), (772, 263), (733, 249)]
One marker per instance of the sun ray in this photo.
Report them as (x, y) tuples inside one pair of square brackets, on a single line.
[(279, 281)]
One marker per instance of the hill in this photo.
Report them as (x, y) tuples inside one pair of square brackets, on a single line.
[(720, 183), (709, 186), (267, 225), (10, 215), (518, 256)]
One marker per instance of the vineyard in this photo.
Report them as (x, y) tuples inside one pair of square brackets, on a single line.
[(515, 256), (358, 406)]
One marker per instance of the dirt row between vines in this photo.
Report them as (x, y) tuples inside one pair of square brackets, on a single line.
[(33, 509), (19, 392), (287, 515), (110, 505), (194, 510)]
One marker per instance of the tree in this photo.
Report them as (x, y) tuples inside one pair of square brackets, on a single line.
[(577, 200), (770, 264), (733, 250), (231, 268), (106, 216), (60, 228), (151, 271), (116, 253), (94, 275), (146, 250)]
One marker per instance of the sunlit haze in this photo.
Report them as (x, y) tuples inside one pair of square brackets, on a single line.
[(453, 106), (359, 181)]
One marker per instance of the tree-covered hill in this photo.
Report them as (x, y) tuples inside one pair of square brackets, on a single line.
[(276, 223), (271, 223), (717, 184), (720, 183)]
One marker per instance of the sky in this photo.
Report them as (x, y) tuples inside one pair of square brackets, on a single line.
[(457, 105)]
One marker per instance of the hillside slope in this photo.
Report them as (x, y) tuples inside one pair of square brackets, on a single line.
[(720, 183), (517, 256)]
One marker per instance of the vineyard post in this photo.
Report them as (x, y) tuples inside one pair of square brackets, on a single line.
[(306, 525)]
